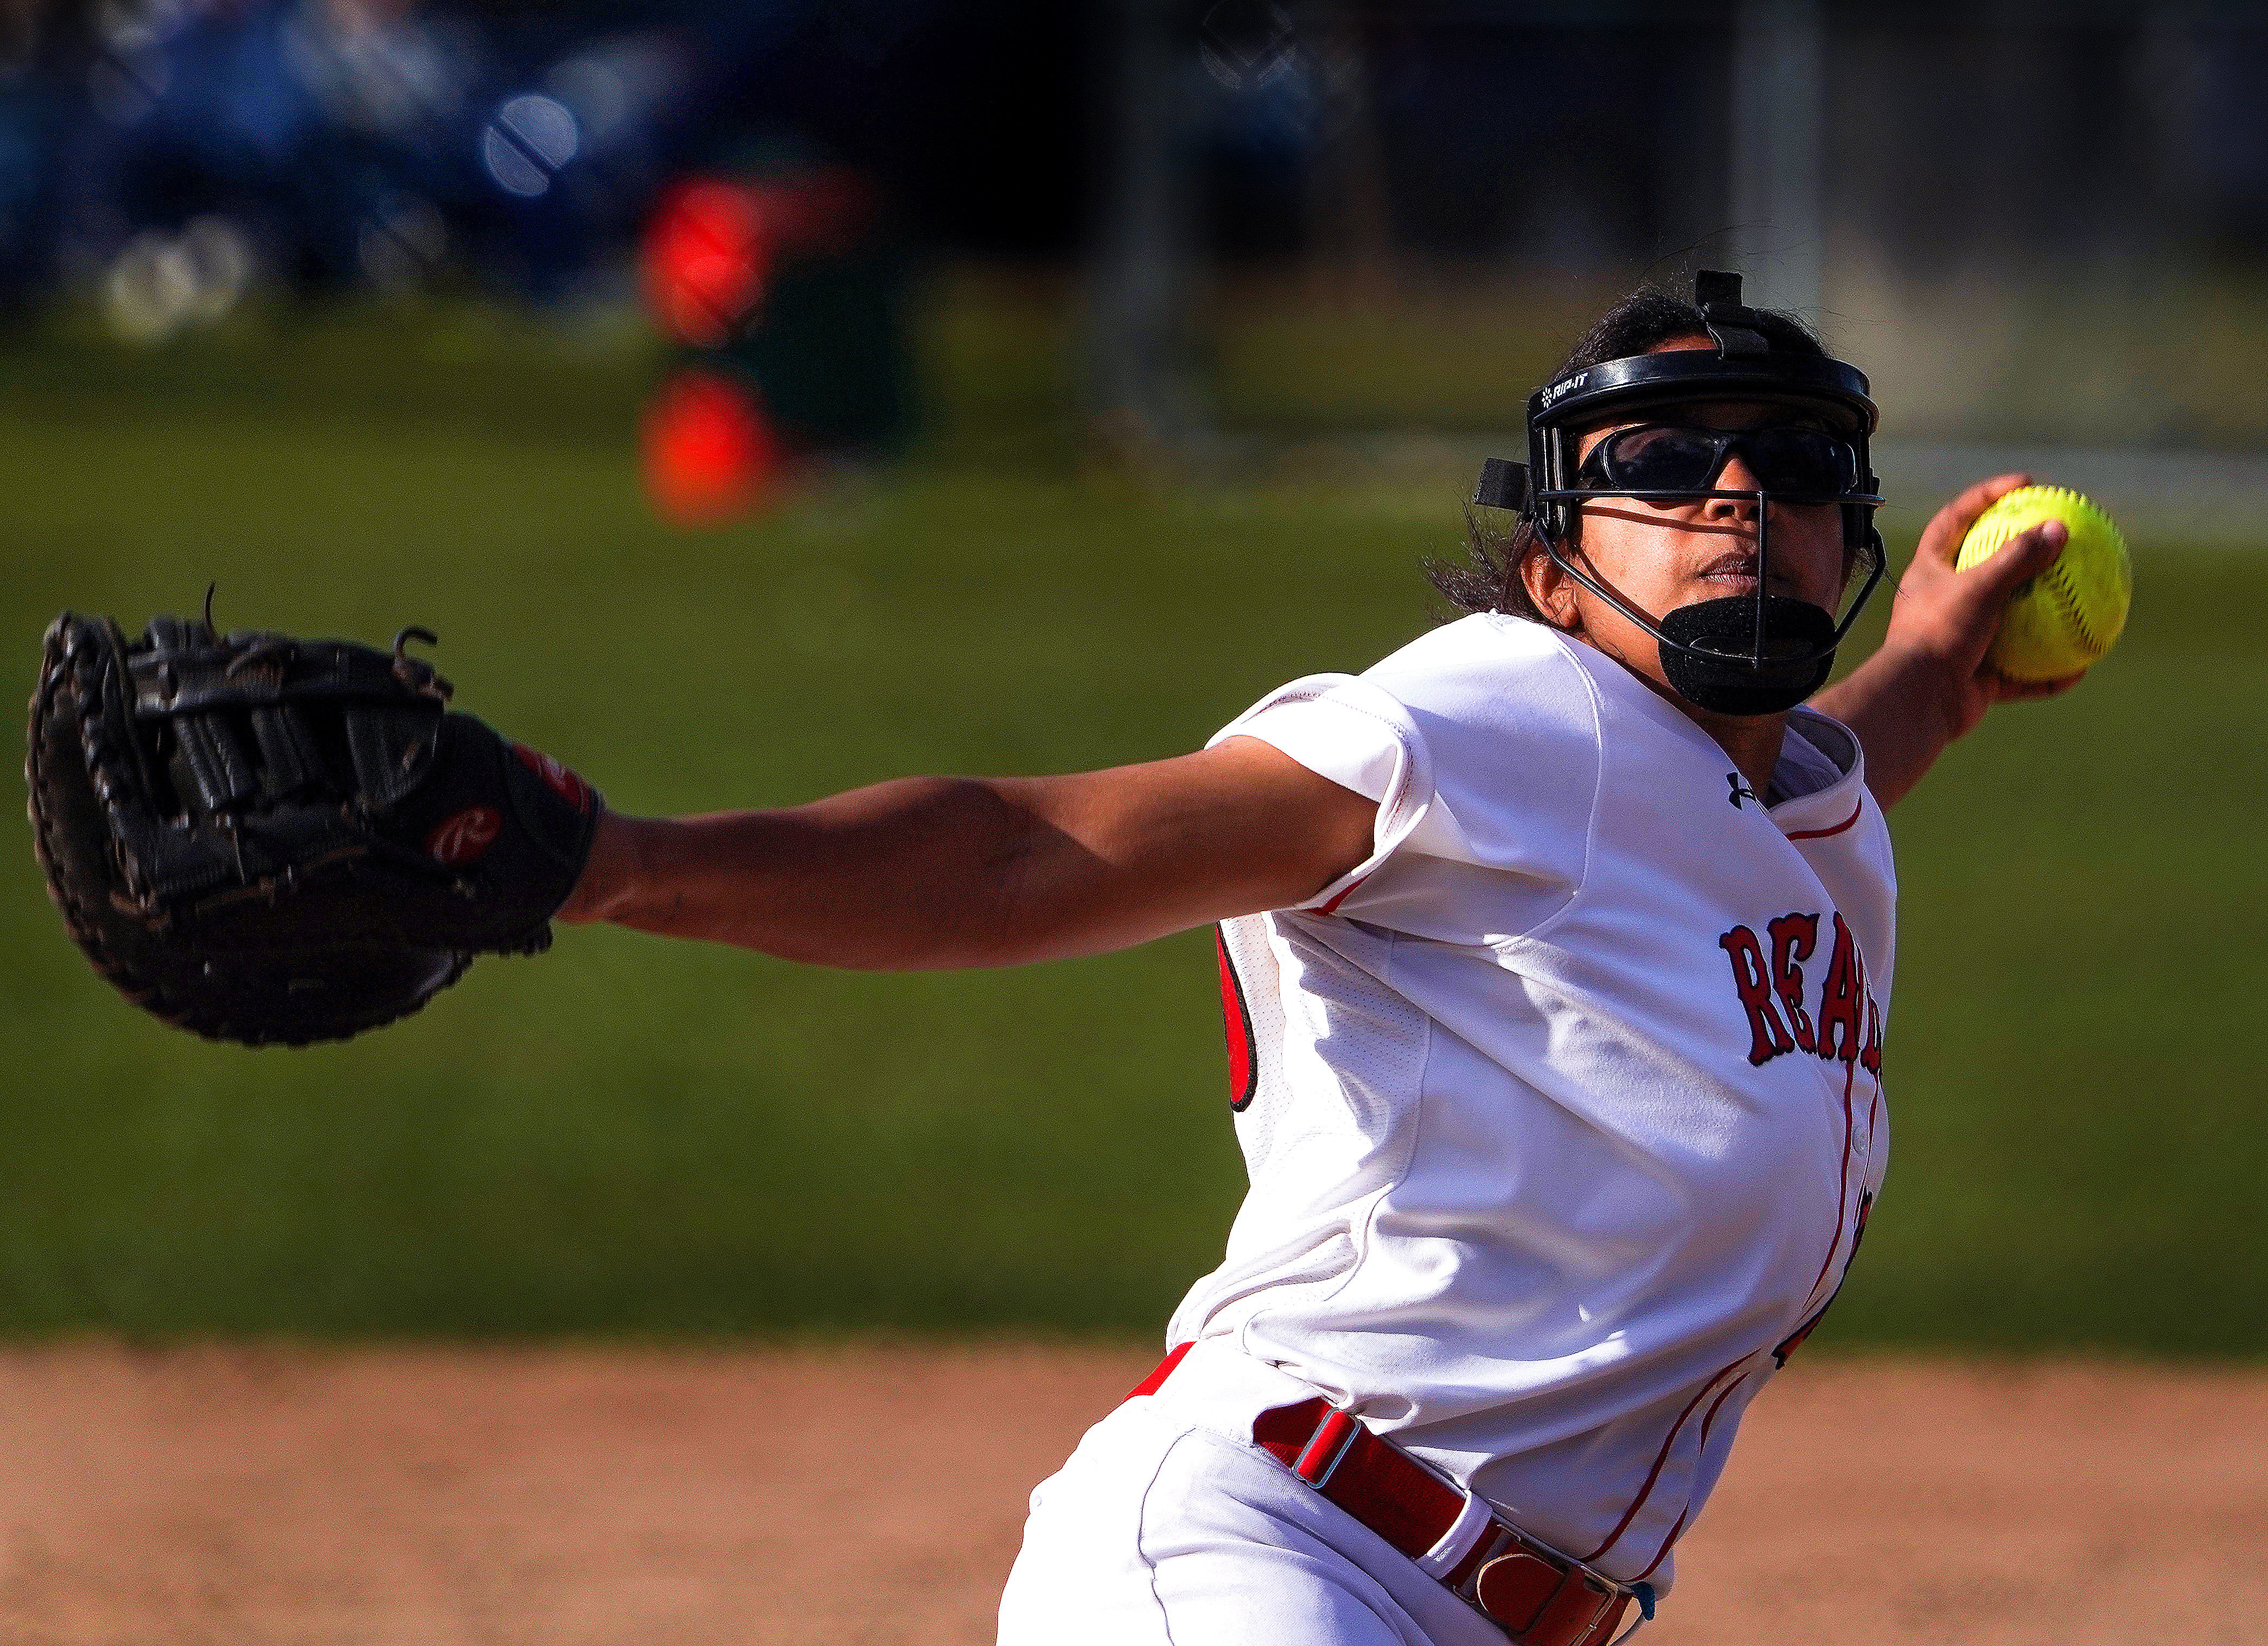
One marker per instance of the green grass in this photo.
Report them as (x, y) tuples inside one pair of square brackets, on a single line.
[(2079, 1135), (631, 1137)]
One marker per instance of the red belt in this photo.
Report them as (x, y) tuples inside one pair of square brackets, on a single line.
[(1534, 1594)]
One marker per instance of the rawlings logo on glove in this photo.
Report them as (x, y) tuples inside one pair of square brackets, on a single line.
[(465, 836), (267, 839)]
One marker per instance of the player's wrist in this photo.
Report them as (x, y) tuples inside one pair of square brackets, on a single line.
[(1932, 668), (608, 874)]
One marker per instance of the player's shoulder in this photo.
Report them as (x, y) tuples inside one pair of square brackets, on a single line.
[(1480, 640), (1509, 720), (1491, 668)]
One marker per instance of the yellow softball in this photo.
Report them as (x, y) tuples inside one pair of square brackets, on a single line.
[(2063, 620)]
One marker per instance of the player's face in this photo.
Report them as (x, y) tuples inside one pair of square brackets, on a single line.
[(1660, 556)]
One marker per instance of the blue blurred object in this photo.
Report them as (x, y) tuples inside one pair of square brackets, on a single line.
[(173, 150)]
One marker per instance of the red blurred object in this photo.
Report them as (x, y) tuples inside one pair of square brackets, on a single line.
[(707, 252), (711, 454), (821, 213), (714, 242)]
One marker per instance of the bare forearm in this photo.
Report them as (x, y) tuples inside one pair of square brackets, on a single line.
[(905, 875), (933, 872), (1898, 704)]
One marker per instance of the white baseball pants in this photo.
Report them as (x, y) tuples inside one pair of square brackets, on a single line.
[(1168, 1527)]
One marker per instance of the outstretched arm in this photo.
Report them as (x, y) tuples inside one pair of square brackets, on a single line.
[(1928, 683), (933, 872)]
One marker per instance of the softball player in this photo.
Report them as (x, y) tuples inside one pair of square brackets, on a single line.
[(1556, 952)]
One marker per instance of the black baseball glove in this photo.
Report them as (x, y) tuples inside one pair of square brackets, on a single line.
[(278, 840)]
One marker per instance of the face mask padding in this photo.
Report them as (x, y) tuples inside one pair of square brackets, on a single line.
[(1708, 655)]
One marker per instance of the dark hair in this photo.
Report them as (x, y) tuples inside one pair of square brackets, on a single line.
[(1487, 579)]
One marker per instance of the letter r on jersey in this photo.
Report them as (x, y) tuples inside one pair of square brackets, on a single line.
[(1752, 982)]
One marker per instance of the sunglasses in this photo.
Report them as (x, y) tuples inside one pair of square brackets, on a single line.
[(1676, 457)]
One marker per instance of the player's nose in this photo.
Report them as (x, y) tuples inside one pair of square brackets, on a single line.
[(1736, 475)]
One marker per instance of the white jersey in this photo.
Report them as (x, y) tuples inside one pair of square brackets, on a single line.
[(1563, 1111)]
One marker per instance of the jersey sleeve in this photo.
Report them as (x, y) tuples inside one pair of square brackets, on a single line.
[(1363, 740)]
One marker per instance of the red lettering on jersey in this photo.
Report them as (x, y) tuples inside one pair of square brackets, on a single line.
[(1767, 1036), (1871, 1059), (1793, 938), (1843, 999), (1236, 1020)]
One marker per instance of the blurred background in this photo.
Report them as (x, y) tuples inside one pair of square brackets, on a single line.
[(765, 398)]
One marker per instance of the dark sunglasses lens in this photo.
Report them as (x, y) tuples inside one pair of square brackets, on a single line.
[(1667, 458), (1803, 460), (1657, 459)]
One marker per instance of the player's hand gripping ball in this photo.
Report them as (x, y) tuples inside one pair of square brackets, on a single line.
[(2064, 620)]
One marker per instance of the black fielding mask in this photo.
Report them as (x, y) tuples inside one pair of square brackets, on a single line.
[(1754, 654), (1707, 649)]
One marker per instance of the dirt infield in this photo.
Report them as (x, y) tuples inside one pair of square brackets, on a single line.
[(573, 1498)]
